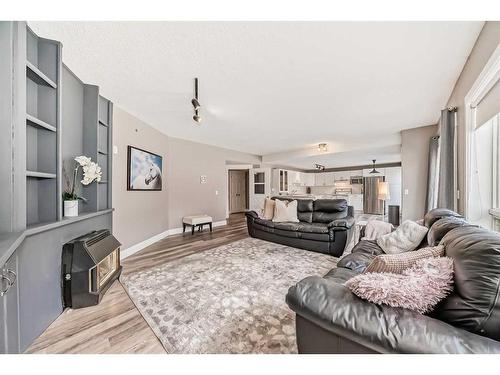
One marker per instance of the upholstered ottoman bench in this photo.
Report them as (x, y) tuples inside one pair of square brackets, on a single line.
[(196, 221)]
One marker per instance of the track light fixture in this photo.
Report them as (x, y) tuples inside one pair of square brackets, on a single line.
[(196, 104), (319, 167)]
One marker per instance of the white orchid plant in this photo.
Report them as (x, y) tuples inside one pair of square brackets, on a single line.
[(91, 172)]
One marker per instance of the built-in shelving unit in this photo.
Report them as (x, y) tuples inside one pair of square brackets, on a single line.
[(40, 174), (37, 123), (37, 76), (48, 117), (43, 65)]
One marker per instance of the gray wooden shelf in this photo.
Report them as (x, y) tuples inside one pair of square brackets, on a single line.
[(36, 75), (33, 121), (35, 174)]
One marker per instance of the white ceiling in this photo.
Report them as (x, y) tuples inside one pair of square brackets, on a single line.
[(275, 87)]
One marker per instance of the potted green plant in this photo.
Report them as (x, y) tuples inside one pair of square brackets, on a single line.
[(91, 172)]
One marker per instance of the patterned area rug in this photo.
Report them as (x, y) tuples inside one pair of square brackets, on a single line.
[(230, 299)]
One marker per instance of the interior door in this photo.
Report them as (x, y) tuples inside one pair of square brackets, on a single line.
[(237, 191)]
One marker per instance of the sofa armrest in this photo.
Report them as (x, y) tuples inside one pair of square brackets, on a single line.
[(346, 222), (384, 329), (252, 214)]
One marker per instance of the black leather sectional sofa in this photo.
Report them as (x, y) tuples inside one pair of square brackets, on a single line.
[(331, 319), (325, 226)]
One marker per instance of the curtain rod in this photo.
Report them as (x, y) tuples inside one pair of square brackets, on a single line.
[(452, 109)]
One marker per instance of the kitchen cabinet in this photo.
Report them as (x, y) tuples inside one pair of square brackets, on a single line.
[(356, 200), (280, 181), (342, 176), (311, 179)]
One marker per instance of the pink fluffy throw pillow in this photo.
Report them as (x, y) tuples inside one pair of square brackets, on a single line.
[(418, 288)]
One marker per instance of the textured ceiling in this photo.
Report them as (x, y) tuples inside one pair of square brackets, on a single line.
[(270, 87)]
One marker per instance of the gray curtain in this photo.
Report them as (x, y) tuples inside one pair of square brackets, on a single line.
[(447, 160), (432, 174)]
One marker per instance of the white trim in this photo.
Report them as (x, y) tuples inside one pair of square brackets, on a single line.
[(147, 242), (484, 82)]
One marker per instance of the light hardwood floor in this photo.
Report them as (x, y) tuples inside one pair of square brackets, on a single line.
[(115, 325)]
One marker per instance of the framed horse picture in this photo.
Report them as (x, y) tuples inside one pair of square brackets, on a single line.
[(144, 170)]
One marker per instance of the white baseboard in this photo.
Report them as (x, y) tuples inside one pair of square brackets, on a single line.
[(141, 245)]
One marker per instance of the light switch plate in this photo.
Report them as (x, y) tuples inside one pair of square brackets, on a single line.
[(406, 191), (115, 149), (203, 179)]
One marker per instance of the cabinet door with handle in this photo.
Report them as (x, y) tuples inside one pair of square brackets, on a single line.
[(9, 338)]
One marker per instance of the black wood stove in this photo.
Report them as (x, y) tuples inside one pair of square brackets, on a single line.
[(90, 264)]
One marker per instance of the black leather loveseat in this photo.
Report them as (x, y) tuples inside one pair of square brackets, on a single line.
[(325, 226), (331, 319)]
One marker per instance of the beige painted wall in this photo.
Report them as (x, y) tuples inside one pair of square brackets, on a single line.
[(485, 45), (187, 161), (414, 165), (140, 215)]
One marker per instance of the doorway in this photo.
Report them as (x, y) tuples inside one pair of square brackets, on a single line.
[(238, 190)]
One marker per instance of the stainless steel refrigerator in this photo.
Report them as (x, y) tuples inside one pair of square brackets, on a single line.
[(371, 203)]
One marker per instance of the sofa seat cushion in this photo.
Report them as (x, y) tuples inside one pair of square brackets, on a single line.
[(340, 275), (264, 222), (474, 304), (303, 227), (313, 228), (367, 246), (287, 226), (313, 231), (357, 262)]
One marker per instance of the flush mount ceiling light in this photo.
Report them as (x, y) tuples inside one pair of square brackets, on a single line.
[(196, 104), (319, 167), (323, 147), (374, 170)]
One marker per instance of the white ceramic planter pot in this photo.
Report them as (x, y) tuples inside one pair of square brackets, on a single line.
[(71, 208)]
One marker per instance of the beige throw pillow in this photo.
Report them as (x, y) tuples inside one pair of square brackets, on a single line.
[(285, 211), (397, 263), (268, 213), (406, 237)]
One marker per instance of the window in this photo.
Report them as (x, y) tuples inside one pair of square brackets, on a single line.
[(485, 168), (259, 186)]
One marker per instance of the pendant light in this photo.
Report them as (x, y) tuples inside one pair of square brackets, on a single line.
[(374, 170)]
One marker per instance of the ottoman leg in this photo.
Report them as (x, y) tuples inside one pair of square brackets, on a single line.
[(183, 227), (192, 230), (210, 225)]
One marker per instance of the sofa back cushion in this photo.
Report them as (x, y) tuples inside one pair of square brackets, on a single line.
[(304, 208), (327, 210), (442, 226), (474, 304), (438, 213)]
